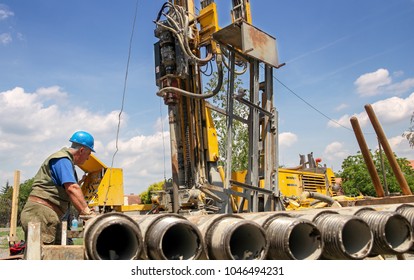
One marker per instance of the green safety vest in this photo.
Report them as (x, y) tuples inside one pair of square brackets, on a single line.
[(44, 187)]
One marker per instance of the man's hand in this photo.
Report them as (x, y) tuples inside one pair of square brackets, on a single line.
[(87, 214), (82, 180)]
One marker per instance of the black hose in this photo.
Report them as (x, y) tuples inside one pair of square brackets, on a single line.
[(176, 90)]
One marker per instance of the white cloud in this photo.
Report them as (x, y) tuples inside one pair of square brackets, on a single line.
[(5, 38), (144, 158), (380, 81), (344, 121), (370, 84), (401, 87), (5, 12), (400, 146), (335, 151), (394, 109), (53, 92), (341, 107), (388, 111), (35, 124), (287, 139)]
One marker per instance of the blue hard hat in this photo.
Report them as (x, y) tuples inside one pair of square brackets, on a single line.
[(84, 138)]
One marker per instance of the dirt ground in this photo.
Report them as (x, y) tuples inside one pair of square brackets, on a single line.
[(4, 250), (4, 253)]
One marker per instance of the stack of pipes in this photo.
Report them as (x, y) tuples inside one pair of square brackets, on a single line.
[(342, 233)]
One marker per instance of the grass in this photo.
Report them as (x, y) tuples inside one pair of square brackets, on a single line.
[(4, 244), (77, 241)]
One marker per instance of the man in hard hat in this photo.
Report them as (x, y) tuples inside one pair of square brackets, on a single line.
[(56, 186)]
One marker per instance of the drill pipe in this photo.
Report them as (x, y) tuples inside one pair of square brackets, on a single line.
[(112, 236), (169, 237), (230, 237), (393, 233), (407, 211), (290, 238), (343, 236), (389, 228)]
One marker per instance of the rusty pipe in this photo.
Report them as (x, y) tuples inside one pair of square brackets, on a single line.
[(112, 236), (343, 236), (367, 157), (169, 237), (290, 238), (393, 233), (387, 150), (231, 237)]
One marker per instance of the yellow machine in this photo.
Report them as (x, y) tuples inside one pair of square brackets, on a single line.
[(187, 41), (198, 182), (103, 185)]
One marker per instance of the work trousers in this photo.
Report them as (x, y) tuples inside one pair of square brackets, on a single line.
[(50, 223)]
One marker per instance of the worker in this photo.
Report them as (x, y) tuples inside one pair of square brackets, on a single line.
[(55, 187)]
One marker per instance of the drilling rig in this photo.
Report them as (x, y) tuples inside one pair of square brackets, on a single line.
[(186, 44), (206, 211)]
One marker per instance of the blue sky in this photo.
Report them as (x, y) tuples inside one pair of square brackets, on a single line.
[(63, 65)]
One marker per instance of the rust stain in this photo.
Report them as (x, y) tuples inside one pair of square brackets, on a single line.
[(259, 42), (258, 38)]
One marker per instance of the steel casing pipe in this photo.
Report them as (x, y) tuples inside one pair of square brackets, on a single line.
[(290, 238), (343, 236), (169, 237), (393, 233), (231, 237), (407, 210), (112, 236)]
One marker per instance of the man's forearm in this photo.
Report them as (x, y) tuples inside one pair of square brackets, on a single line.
[(76, 197)]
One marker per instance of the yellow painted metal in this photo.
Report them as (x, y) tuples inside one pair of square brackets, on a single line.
[(239, 176), (292, 183), (212, 141), (92, 164), (208, 20), (136, 207), (103, 186), (248, 12), (108, 191)]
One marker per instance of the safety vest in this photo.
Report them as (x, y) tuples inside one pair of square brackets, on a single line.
[(44, 187)]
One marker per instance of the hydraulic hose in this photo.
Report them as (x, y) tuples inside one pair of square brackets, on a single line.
[(215, 91), (318, 196)]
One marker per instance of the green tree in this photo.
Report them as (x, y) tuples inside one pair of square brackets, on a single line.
[(5, 204), (146, 195), (6, 196), (356, 179), (410, 133), (240, 145)]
